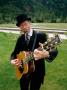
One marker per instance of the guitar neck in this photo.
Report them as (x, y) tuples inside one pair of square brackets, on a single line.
[(29, 58), (46, 45)]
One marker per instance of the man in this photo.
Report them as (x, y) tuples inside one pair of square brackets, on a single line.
[(32, 80)]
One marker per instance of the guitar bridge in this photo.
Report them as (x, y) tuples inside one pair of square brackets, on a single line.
[(21, 68)]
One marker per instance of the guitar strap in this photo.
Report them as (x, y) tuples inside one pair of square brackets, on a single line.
[(35, 37)]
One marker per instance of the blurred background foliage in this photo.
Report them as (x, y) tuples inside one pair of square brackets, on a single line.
[(40, 10)]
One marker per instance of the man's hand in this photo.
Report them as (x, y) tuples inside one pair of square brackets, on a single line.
[(16, 62), (40, 54)]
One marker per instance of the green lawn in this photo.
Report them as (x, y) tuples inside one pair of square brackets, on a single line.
[(42, 25), (56, 71)]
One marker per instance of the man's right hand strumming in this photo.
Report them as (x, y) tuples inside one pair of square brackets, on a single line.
[(16, 62)]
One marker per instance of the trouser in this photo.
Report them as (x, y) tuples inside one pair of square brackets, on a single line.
[(30, 82)]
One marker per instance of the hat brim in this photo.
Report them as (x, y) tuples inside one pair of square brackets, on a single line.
[(26, 19)]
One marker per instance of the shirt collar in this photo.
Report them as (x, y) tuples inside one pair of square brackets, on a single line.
[(30, 32)]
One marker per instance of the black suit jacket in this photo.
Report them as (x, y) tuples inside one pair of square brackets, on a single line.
[(21, 45)]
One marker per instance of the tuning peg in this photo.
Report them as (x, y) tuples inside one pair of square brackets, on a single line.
[(56, 42), (51, 45), (46, 42)]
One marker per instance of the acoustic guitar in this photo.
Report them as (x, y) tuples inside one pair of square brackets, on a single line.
[(27, 58)]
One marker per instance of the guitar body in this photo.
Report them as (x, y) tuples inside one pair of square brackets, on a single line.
[(26, 66), (21, 56), (20, 74)]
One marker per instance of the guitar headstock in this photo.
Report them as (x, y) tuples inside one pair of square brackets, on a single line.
[(52, 43)]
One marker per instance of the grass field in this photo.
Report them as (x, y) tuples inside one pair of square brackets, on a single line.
[(56, 71), (42, 25)]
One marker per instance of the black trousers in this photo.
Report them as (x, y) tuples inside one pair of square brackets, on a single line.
[(30, 82)]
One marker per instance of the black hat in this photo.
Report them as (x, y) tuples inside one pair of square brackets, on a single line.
[(21, 18)]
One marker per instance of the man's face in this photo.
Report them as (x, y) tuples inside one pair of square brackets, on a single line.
[(25, 26)]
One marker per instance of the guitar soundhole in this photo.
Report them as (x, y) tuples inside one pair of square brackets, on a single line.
[(21, 68)]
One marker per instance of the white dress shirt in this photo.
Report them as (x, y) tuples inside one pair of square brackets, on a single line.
[(28, 34)]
